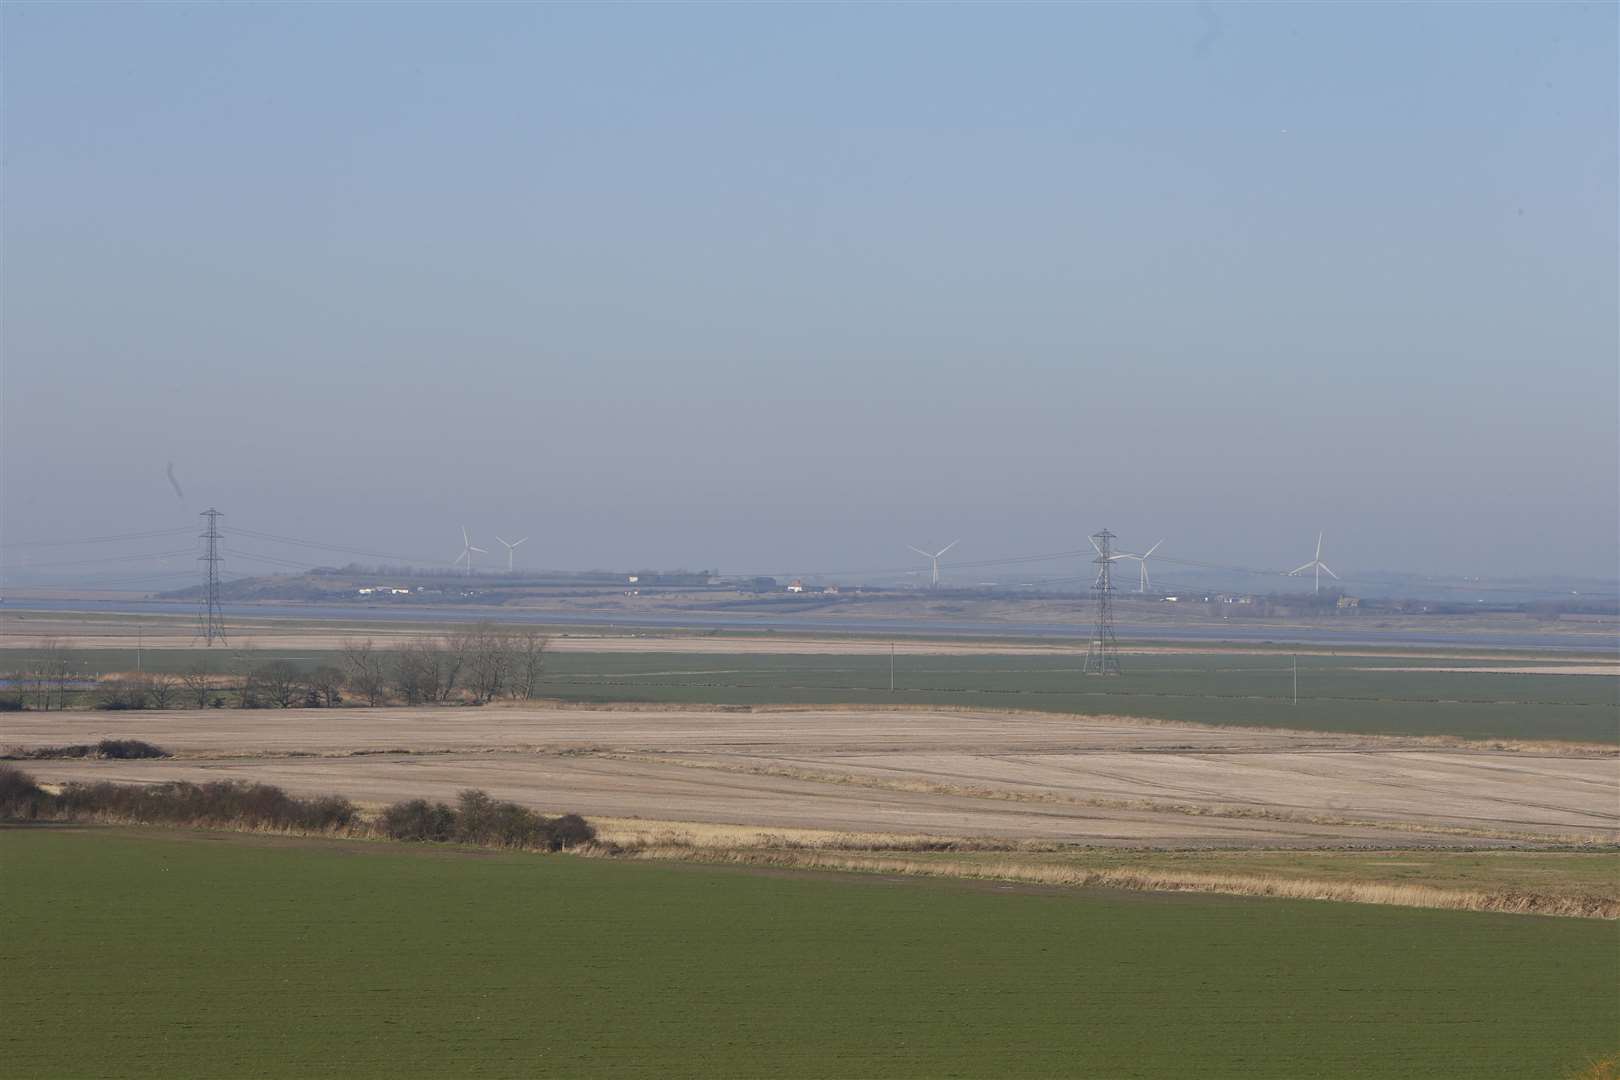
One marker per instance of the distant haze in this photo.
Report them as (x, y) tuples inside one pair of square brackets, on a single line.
[(792, 287)]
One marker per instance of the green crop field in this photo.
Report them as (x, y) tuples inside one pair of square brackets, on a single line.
[(177, 954), (1364, 695), (1349, 694)]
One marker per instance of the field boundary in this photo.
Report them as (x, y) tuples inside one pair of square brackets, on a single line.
[(1418, 896)]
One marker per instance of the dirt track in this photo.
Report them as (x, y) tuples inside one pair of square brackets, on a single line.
[(1020, 776)]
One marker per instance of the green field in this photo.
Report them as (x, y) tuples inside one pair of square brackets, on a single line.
[(1348, 694), (178, 954)]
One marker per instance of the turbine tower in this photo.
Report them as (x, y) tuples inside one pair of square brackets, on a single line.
[(511, 545), (1141, 559), (934, 558), (467, 550), (1316, 565)]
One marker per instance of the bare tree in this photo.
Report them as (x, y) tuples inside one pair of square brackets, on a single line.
[(454, 650), (248, 687), (123, 692), (326, 686), (489, 663), (35, 683), (57, 667), (416, 671), (363, 665), (529, 648), (161, 688), (199, 683), (283, 684)]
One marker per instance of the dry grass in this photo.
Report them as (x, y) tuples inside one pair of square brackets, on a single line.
[(932, 787), (1606, 1068), (636, 833), (1012, 870)]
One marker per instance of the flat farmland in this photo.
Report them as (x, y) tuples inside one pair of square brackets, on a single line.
[(145, 953), (1104, 781), (1466, 695)]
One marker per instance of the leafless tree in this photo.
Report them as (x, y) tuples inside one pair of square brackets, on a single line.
[(416, 671), (326, 686), (363, 665), (123, 692), (57, 666), (162, 688), (199, 684), (283, 684), (454, 650), (248, 687), (489, 663), (529, 649)]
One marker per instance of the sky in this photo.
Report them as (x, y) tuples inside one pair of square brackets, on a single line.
[(790, 287)]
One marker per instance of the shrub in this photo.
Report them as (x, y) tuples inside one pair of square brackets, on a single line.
[(418, 819), (20, 797), (124, 749), (226, 802), (571, 830), (11, 703)]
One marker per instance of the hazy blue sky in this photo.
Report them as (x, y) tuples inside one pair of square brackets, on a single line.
[(791, 287)]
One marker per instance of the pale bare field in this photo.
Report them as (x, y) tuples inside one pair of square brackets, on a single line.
[(1015, 777)]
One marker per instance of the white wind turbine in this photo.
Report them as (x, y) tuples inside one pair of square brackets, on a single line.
[(511, 545), (1142, 559), (1316, 565), (467, 550), (934, 558)]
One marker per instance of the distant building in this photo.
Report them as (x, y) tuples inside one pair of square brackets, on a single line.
[(795, 586), (1349, 603)]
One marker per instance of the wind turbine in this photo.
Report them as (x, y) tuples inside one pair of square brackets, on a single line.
[(1142, 559), (467, 550), (1316, 565), (934, 558), (510, 546)]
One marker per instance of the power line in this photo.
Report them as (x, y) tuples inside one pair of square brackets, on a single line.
[(317, 545), (105, 559), (111, 538)]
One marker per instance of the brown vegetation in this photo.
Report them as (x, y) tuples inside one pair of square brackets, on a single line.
[(476, 819), (1521, 903)]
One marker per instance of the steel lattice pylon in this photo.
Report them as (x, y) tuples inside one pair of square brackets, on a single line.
[(1102, 657), (212, 623)]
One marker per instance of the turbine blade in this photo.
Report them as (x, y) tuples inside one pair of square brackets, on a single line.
[(1330, 573), (1300, 569), (503, 541), (1095, 545), (947, 547), (466, 541), (1151, 550), (919, 551), (1318, 547), (480, 550), (515, 543)]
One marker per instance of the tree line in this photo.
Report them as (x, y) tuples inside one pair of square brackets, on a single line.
[(475, 665)]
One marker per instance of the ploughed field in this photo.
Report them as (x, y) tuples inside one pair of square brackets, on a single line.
[(144, 953), (914, 772)]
